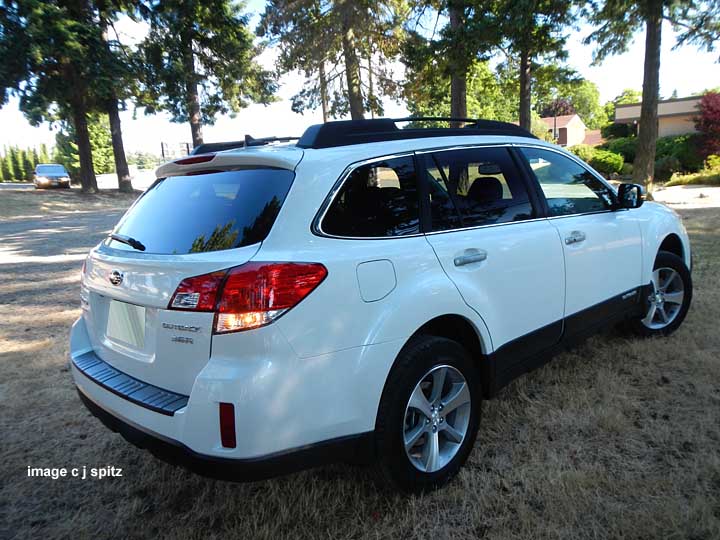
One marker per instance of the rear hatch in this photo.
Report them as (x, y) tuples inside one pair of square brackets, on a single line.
[(182, 226)]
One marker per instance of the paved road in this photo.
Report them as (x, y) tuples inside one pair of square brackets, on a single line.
[(15, 185)]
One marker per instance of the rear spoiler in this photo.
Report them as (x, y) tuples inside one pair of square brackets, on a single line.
[(207, 148)]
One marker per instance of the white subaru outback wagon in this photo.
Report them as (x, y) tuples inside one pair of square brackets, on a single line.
[(354, 295)]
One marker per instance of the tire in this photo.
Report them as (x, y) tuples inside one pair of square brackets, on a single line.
[(423, 362), (671, 279)]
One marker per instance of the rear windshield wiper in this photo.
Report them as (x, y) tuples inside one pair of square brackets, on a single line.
[(129, 240)]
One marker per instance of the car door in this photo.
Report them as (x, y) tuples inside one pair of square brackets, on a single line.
[(602, 247), (505, 259)]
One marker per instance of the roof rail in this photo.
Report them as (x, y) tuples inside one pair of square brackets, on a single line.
[(349, 132), (206, 148)]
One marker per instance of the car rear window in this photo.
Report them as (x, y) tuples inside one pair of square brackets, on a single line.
[(206, 212)]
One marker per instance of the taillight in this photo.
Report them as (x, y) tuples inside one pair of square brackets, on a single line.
[(249, 296), (198, 293)]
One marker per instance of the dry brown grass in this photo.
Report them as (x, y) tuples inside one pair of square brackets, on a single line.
[(618, 438)]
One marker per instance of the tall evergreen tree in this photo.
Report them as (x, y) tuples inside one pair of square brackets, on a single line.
[(453, 51), (533, 29), (616, 23), (7, 165), (51, 55), (198, 61), (43, 156), (16, 155), (343, 47)]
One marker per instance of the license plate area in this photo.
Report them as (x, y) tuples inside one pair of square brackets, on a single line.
[(126, 324)]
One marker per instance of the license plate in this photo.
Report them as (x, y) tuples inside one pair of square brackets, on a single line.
[(126, 323)]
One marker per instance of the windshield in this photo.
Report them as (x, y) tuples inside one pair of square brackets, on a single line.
[(206, 212), (50, 169)]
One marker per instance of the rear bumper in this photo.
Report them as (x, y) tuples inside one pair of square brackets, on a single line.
[(355, 449)]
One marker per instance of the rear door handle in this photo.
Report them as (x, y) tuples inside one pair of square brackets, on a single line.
[(575, 237), (471, 256)]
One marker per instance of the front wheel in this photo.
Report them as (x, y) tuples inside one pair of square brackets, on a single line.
[(669, 299), (428, 416)]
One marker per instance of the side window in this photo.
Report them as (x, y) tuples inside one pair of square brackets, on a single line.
[(377, 200), (478, 186), (568, 187)]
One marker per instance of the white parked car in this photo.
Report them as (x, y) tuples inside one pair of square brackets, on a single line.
[(355, 295)]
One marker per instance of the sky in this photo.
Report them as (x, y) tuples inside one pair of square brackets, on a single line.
[(685, 70)]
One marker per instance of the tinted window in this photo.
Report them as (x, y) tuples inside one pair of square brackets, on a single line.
[(206, 212), (568, 187), (478, 186), (376, 200)]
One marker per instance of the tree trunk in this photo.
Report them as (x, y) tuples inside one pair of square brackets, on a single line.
[(87, 171), (323, 91), (458, 77), (352, 66), (644, 166), (121, 166), (192, 96), (525, 100)]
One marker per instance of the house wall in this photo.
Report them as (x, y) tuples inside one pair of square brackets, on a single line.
[(575, 133), (676, 125)]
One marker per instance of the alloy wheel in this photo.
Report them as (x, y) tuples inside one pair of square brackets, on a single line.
[(437, 418), (666, 299)]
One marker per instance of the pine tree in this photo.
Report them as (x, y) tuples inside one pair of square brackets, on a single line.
[(27, 164), (7, 165), (43, 156), (2, 168), (616, 23), (51, 56), (199, 61), (16, 155)]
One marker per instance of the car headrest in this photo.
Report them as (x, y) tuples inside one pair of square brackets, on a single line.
[(486, 189)]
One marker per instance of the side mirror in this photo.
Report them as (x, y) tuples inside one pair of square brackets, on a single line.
[(630, 196)]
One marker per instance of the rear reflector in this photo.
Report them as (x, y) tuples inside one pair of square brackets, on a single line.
[(227, 425), (251, 295), (202, 158)]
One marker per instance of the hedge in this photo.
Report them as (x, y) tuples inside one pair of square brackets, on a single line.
[(607, 162), (583, 151)]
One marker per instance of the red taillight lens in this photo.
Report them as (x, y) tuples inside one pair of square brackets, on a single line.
[(257, 293), (250, 295), (198, 293)]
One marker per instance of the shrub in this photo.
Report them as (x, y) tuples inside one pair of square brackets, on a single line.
[(708, 123), (607, 162), (613, 131), (627, 169), (665, 167), (712, 163), (625, 146), (685, 148), (583, 151)]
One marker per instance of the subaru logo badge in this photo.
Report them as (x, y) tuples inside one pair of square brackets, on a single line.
[(116, 277)]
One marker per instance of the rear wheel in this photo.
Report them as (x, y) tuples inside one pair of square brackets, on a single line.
[(669, 299), (428, 416)]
